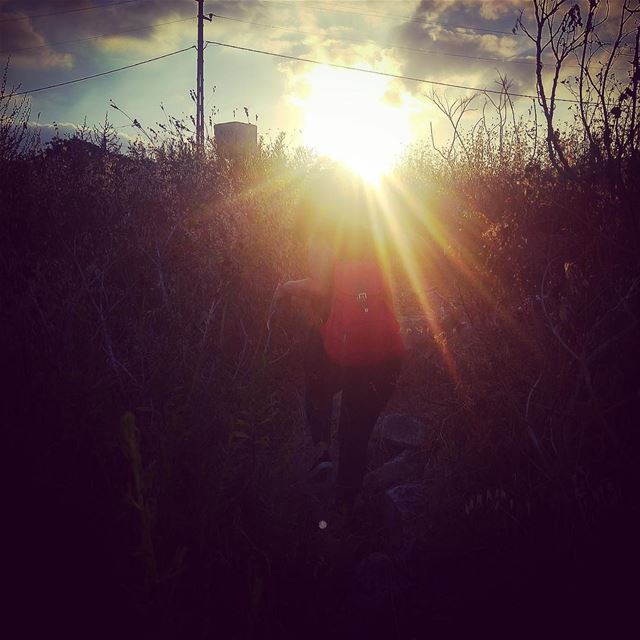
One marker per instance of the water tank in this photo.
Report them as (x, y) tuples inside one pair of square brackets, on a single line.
[(235, 139)]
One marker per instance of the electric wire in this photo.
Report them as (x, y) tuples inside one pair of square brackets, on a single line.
[(58, 13), (395, 16), (268, 53), (97, 75), (388, 46), (102, 35), (382, 73), (436, 52)]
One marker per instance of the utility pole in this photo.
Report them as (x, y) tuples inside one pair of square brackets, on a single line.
[(200, 77)]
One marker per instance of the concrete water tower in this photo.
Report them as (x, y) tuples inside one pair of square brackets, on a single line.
[(235, 139)]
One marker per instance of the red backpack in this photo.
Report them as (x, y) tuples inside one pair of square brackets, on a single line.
[(361, 329)]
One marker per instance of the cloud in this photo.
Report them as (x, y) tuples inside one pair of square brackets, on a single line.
[(45, 37), (334, 37), (492, 10), (29, 46), (456, 55), (47, 131)]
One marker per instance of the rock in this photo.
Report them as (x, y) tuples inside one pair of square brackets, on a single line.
[(404, 509), (398, 469), (404, 501), (403, 431)]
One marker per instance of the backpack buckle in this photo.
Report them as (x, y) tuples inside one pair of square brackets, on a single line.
[(362, 299)]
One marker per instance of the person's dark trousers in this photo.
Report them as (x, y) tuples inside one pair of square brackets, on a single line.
[(365, 392)]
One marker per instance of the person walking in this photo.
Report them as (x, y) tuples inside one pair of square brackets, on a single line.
[(354, 342)]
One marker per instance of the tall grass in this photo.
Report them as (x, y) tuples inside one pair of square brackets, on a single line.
[(160, 418)]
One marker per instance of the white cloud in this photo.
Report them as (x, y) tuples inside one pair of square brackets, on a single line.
[(49, 130)]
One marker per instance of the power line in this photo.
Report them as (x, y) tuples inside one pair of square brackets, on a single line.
[(391, 46), (58, 13), (394, 16), (97, 75), (102, 35), (417, 20), (381, 73)]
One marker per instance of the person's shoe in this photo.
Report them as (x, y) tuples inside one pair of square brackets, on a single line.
[(321, 468)]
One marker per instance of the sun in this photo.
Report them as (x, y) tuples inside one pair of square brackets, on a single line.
[(347, 117)]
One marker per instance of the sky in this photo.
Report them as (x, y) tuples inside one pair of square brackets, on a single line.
[(462, 42)]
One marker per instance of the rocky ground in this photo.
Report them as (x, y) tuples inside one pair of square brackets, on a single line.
[(359, 564)]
